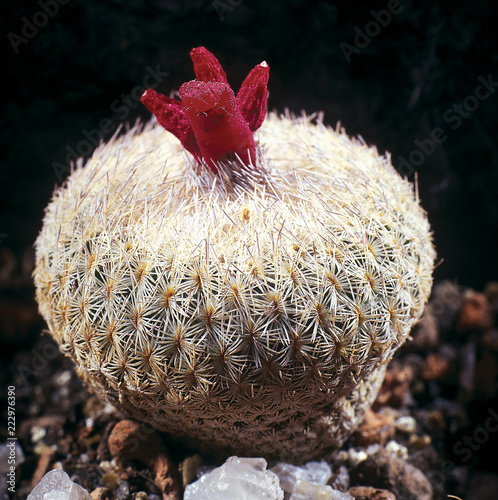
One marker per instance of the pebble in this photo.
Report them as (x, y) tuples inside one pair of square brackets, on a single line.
[(397, 449), (312, 472), (56, 484), (304, 490), (387, 471), (237, 478), (102, 493), (375, 428), (419, 442), (370, 493), (340, 480), (37, 433), (406, 424), (373, 448), (475, 313), (248, 478), (436, 366), (356, 456), (141, 495), (122, 492), (395, 390), (62, 378), (436, 420), (111, 480), (131, 441)]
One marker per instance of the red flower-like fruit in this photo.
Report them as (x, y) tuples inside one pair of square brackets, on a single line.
[(210, 121)]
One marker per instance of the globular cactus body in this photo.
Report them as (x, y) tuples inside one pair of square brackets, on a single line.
[(248, 310)]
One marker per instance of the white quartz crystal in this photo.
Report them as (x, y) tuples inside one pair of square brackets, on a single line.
[(303, 490), (341, 479), (406, 424), (56, 485), (312, 472), (307, 482), (238, 478), (397, 449)]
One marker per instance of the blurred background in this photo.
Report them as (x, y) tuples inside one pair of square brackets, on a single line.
[(418, 79)]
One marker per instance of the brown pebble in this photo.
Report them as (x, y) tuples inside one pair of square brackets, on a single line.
[(370, 493), (435, 367), (475, 313), (102, 493), (419, 442), (375, 428), (385, 471), (131, 441), (395, 389), (110, 480)]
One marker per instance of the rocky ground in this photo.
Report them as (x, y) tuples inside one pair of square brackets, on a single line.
[(432, 431)]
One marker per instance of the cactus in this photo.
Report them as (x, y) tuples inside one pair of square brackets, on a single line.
[(246, 303)]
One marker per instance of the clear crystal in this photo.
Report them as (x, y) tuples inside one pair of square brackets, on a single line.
[(240, 478), (312, 472), (56, 485), (307, 482), (304, 490)]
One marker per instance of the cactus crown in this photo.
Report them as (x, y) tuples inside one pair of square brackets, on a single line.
[(251, 309)]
